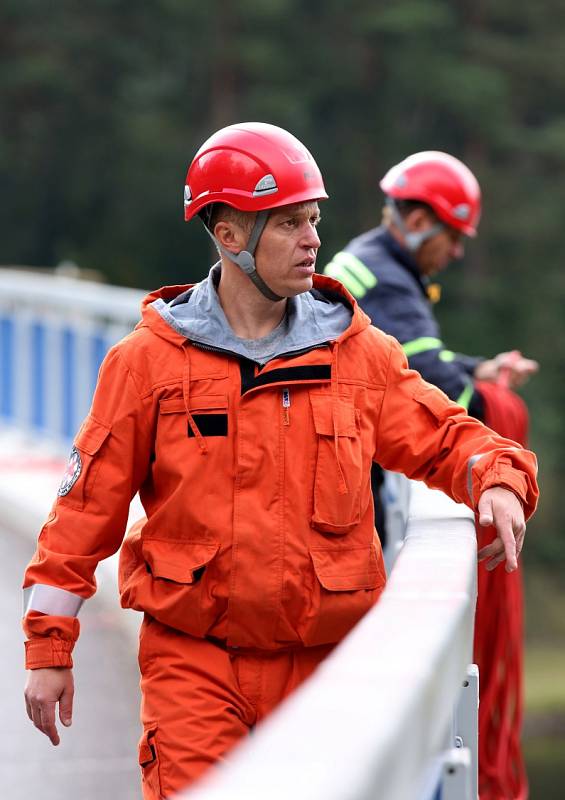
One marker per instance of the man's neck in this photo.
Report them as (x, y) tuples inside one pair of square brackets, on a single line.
[(250, 315)]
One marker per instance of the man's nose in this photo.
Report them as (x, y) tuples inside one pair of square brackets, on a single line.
[(311, 238), (457, 250)]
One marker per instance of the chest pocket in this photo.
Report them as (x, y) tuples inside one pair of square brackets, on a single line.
[(334, 512), (209, 412)]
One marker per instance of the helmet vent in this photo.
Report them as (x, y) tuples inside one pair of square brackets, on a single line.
[(267, 185), (187, 196), (462, 211)]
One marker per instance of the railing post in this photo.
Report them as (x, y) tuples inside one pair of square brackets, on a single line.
[(466, 723), (456, 777)]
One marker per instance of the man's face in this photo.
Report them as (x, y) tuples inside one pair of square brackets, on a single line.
[(286, 253), (435, 254)]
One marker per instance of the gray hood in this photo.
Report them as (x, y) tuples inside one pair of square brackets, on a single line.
[(312, 319)]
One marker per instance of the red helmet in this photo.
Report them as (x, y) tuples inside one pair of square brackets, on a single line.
[(251, 166), (441, 181)]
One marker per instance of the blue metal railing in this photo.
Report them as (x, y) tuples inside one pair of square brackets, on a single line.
[(54, 334), (7, 356)]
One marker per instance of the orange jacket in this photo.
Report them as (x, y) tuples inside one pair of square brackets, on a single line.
[(256, 485)]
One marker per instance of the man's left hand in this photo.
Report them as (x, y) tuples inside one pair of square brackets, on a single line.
[(502, 508), (512, 368)]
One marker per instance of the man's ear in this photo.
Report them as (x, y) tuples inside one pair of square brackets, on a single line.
[(418, 220), (230, 236)]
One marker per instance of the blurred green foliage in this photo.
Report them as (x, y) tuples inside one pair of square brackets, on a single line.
[(104, 103)]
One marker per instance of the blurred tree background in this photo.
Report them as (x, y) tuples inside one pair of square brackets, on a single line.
[(103, 106)]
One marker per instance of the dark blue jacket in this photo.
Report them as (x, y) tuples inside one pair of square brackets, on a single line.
[(385, 280)]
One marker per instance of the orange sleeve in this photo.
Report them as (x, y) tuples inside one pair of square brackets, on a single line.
[(428, 437), (88, 520)]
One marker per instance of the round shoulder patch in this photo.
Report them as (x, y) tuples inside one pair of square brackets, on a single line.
[(72, 474)]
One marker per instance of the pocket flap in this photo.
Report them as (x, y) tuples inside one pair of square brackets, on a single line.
[(322, 405), (177, 561), (202, 403), (91, 436), (171, 405), (347, 569), (147, 752), (209, 402), (433, 399)]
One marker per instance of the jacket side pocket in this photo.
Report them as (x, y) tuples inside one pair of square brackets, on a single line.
[(348, 583), (149, 763)]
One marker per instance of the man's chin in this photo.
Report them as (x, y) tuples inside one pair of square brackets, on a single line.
[(436, 269), (299, 286)]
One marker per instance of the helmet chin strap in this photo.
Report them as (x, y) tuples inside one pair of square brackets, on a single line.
[(412, 239), (245, 259)]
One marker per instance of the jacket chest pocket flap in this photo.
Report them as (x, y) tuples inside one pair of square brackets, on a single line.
[(209, 412), (334, 512)]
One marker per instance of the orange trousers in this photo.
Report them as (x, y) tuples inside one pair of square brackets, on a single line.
[(200, 698)]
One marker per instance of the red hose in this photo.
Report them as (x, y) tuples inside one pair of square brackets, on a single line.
[(498, 646)]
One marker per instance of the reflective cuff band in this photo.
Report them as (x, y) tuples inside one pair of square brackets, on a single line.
[(350, 270), (50, 600), (465, 397), (421, 345), (447, 355)]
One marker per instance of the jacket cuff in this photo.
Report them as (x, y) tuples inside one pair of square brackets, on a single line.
[(514, 481), (50, 651)]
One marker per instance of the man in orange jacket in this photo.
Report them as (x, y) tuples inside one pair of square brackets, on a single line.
[(246, 410)]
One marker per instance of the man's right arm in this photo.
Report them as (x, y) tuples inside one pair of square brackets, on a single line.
[(109, 460)]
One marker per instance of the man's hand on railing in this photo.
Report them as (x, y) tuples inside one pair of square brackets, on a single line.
[(502, 508)]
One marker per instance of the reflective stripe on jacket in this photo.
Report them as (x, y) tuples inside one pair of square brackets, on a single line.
[(255, 482)]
